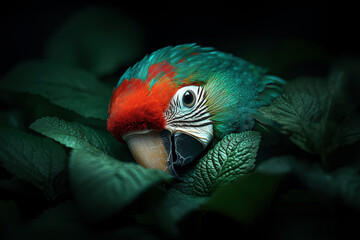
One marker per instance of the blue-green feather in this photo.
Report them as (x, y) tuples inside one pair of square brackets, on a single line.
[(235, 88), (173, 55)]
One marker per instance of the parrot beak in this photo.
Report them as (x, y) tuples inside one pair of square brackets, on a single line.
[(163, 150), (147, 148)]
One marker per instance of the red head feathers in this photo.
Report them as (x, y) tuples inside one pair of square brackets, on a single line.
[(140, 104), (144, 91)]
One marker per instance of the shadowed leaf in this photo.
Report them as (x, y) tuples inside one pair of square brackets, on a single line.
[(246, 199), (76, 135), (343, 183), (95, 39), (30, 158), (66, 87), (316, 114), (103, 185)]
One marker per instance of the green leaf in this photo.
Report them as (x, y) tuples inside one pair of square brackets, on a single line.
[(349, 131), (33, 159), (177, 204), (296, 111), (166, 209), (246, 199), (76, 135), (101, 182), (343, 183), (14, 185), (95, 39), (12, 118), (231, 158), (277, 165), (66, 87), (316, 115)]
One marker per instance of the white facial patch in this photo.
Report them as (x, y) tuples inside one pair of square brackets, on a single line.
[(188, 113)]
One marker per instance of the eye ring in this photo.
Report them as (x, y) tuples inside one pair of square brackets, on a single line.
[(189, 99)]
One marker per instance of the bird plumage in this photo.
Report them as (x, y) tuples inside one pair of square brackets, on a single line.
[(235, 89)]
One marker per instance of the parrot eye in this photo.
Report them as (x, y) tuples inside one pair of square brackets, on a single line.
[(188, 99)]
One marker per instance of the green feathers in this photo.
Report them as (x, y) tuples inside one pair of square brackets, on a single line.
[(182, 58), (235, 89)]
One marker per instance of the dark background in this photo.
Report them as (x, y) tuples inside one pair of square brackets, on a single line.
[(290, 39), (241, 27)]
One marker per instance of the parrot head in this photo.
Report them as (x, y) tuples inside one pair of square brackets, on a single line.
[(172, 104)]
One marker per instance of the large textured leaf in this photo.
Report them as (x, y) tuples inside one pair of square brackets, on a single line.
[(177, 204), (296, 112), (76, 135), (349, 131), (246, 199), (168, 208), (341, 184), (232, 157), (66, 87), (96, 39), (315, 114), (33, 159), (103, 185)]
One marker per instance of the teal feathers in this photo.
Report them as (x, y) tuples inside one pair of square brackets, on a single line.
[(235, 88), (171, 55)]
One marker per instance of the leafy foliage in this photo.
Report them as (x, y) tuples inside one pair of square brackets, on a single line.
[(97, 40), (232, 157), (165, 213), (245, 199), (343, 184), (99, 181), (315, 114), (66, 87), (32, 159), (78, 136), (77, 181)]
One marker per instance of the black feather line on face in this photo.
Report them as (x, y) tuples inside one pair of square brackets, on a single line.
[(192, 126), (199, 110), (193, 121)]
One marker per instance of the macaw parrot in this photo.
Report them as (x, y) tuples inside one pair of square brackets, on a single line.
[(170, 106)]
